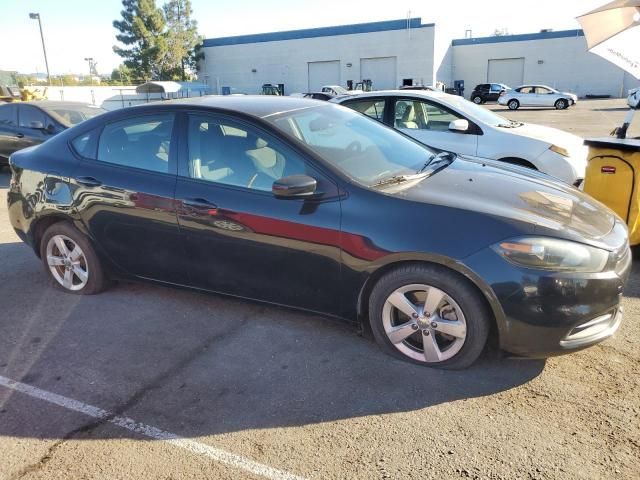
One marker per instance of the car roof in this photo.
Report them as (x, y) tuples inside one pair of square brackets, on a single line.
[(255, 105), (535, 85)]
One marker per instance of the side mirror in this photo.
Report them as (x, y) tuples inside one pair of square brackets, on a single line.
[(51, 129), (36, 125), (459, 125), (294, 186)]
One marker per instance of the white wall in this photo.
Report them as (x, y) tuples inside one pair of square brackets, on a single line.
[(286, 61), (107, 97), (566, 65)]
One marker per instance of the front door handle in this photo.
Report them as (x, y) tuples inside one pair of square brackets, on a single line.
[(88, 181), (199, 203), (19, 135)]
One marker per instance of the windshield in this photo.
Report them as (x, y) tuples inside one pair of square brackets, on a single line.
[(340, 90), (477, 111), (72, 115), (361, 148)]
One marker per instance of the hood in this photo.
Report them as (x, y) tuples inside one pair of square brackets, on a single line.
[(546, 206), (549, 135)]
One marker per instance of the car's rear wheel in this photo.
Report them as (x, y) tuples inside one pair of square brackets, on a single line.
[(71, 261), (477, 99), (561, 104), (513, 104), (429, 315)]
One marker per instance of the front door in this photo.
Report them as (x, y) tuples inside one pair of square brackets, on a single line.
[(428, 122), (239, 238), (125, 190)]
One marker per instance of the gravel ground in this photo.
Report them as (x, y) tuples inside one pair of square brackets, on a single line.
[(295, 391)]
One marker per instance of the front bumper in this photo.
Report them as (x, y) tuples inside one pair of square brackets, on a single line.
[(549, 313)]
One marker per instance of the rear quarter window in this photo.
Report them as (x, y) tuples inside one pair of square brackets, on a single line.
[(86, 145)]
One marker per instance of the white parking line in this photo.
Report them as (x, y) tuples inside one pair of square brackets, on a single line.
[(130, 424)]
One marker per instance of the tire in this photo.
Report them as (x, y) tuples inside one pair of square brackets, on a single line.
[(87, 276), (460, 305), (477, 99), (561, 104), (513, 104)]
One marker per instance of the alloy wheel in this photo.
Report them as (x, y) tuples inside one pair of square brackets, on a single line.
[(67, 262), (424, 323)]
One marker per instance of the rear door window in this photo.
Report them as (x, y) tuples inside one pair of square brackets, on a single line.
[(372, 107), (140, 142)]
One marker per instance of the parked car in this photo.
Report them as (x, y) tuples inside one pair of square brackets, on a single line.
[(451, 123), (319, 96), (488, 92), (537, 96), (311, 205), (30, 123), (420, 87), (337, 90)]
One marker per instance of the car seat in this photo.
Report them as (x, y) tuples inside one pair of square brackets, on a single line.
[(409, 118)]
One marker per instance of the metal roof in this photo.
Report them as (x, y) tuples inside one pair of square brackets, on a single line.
[(518, 38), (388, 25)]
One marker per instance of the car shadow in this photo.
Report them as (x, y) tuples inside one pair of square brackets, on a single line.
[(610, 109), (200, 364)]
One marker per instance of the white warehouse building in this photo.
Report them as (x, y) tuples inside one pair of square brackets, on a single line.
[(405, 52)]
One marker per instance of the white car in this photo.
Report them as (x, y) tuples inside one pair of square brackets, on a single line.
[(337, 90), (537, 96), (451, 123)]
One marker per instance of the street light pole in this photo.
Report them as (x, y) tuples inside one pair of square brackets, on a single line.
[(34, 16), (89, 60)]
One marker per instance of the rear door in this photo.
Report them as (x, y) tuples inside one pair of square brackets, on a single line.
[(428, 122), (526, 96), (125, 188), (239, 238)]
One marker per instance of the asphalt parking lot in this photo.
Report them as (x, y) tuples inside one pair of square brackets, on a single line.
[(144, 381)]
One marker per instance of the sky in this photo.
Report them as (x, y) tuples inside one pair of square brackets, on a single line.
[(76, 29)]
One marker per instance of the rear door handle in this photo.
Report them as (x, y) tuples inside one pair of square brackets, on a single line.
[(88, 181), (200, 203)]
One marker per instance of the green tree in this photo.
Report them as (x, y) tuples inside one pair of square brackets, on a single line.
[(182, 39), (142, 34), (121, 75)]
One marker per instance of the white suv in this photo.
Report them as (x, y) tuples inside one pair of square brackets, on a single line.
[(449, 122)]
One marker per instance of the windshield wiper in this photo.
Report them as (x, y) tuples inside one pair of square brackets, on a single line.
[(440, 157)]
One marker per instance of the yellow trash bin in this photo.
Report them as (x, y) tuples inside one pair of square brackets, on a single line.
[(613, 178)]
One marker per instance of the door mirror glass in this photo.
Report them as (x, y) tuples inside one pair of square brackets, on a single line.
[(294, 186), (51, 129), (459, 125), (36, 125)]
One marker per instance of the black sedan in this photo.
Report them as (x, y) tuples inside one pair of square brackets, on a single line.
[(24, 124), (314, 206)]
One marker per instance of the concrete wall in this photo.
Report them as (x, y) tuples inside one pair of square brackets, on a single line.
[(562, 63), (286, 61), (107, 97)]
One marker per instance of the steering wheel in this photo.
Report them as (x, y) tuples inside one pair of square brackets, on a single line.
[(355, 147)]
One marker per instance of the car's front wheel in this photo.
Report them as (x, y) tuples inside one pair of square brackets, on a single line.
[(561, 104), (477, 99), (429, 315), (513, 104), (70, 260)]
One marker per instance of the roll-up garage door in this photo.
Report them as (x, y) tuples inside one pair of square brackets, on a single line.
[(323, 73), (381, 71), (509, 71)]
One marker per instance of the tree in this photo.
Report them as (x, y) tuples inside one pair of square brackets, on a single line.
[(142, 33), (121, 75), (182, 40)]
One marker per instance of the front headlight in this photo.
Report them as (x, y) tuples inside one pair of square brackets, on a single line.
[(552, 254), (559, 150)]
